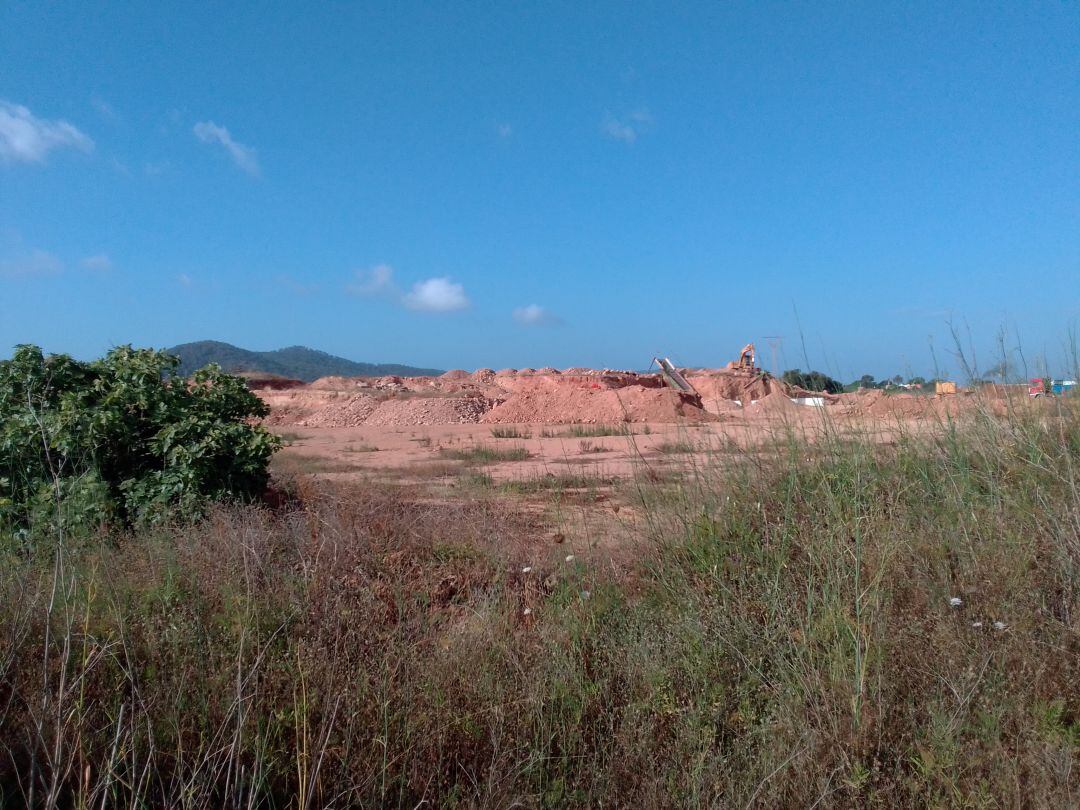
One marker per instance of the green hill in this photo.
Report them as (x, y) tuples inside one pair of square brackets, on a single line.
[(297, 362)]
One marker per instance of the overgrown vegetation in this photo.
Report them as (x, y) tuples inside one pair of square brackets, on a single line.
[(122, 439), (484, 454), (852, 626)]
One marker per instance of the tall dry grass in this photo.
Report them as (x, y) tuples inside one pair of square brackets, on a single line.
[(789, 637)]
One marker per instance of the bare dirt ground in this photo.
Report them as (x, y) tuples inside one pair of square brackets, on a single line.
[(607, 424), (581, 452)]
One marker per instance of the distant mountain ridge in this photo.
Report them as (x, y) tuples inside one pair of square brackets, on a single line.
[(297, 362)]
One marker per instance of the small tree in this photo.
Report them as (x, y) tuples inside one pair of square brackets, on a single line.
[(124, 438), (812, 381)]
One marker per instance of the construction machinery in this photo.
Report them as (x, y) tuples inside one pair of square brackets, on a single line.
[(673, 377), (1041, 387), (747, 358)]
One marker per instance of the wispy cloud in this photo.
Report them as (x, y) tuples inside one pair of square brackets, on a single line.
[(184, 280), (243, 156), (295, 286), (378, 280), (628, 128), (25, 138), (536, 315), (97, 262), (103, 107), (30, 263), (436, 295)]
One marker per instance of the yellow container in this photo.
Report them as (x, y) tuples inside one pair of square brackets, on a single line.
[(945, 387)]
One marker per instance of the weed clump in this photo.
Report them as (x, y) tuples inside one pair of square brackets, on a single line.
[(482, 454)]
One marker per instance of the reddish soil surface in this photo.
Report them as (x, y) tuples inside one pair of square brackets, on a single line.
[(407, 427), (578, 396), (580, 452)]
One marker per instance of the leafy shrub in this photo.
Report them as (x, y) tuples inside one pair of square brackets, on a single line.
[(123, 438)]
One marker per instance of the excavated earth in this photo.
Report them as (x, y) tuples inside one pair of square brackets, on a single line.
[(510, 396), (575, 396)]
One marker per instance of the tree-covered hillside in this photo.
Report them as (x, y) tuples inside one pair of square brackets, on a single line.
[(297, 362)]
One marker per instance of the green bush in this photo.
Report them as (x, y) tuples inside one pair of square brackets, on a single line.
[(812, 381), (123, 439)]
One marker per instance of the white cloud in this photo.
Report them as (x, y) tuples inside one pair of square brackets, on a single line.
[(97, 262), (103, 107), (243, 156), (436, 295), (535, 315), (429, 295), (378, 280), (629, 128), (25, 264), (24, 138)]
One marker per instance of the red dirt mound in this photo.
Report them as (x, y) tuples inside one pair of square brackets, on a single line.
[(350, 412), (430, 411), (570, 404), (335, 383), (775, 404), (901, 405)]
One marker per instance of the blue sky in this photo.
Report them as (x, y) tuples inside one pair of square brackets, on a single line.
[(543, 184)]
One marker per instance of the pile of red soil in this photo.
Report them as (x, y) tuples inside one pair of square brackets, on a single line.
[(455, 374), (720, 406), (901, 405), (593, 406), (732, 386), (775, 404), (349, 412), (525, 396), (337, 383), (430, 411)]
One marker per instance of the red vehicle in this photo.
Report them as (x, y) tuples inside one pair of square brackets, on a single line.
[(1041, 387)]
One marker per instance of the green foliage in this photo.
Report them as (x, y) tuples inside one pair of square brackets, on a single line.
[(865, 381), (812, 381), (123, 438)]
